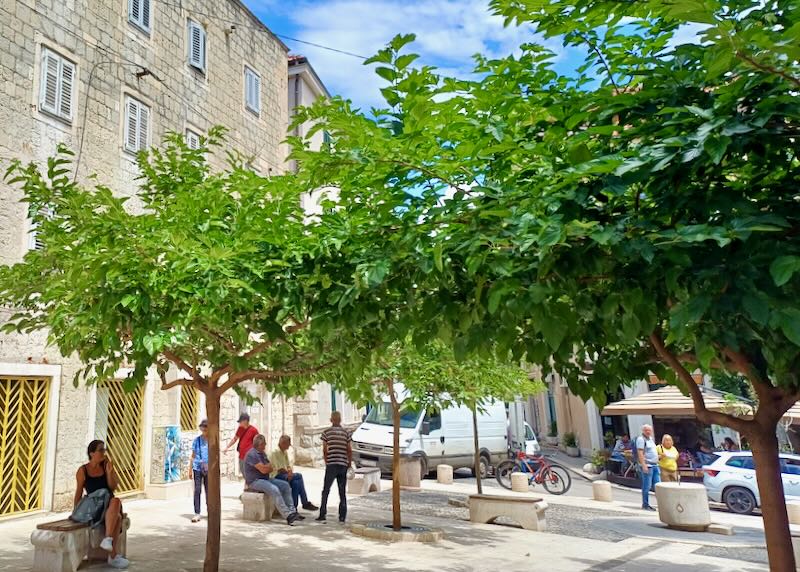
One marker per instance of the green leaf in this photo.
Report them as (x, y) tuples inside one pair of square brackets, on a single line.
[(790, 325), (437, 256), (782, 269), (757, 308), (553, 331), (580, 154)]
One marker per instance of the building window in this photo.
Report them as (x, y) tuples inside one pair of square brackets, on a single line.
[(192, 139), (35, 242), (190, 408), (139, 14), (137, 125), (197, 46), (57, 86), (252, 90)]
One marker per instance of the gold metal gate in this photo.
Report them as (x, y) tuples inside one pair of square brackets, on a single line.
[(23, 434), (190, 407), (119, 424)]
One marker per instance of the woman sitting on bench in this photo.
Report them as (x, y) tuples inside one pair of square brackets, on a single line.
[(98, 474)]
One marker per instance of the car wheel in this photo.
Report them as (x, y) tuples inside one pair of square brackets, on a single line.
[(739, 500)]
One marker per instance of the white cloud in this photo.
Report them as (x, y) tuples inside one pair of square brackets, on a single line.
[(449, 33)]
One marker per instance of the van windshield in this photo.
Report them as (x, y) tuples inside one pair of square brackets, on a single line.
[(381, 414)]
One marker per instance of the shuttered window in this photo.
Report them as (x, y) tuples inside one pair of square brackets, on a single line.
[(252, 90), (35, 242), (57, 90), (137, 125), (192, 139), (197, 46), (139, 13)]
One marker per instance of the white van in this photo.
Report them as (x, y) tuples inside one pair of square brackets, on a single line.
[(439, 437)]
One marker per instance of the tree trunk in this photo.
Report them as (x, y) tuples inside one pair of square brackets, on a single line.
[(773, 502), (396, 523), (211, 563), (477, 449)]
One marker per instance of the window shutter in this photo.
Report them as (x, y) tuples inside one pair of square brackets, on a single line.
[(192, 139), (131, 125), (144, 126), (197, 46), (252, 90), (135, 11), (67, 79), (145, 14), (49, 88), (256, 93)]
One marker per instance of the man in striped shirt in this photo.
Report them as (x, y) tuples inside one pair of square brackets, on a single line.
[(338, 454)]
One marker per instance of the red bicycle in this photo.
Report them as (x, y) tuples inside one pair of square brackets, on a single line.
[(555, 478)]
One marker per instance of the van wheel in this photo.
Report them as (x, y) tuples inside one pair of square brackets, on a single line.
[(485, 466), (739, 500), (423, 467)]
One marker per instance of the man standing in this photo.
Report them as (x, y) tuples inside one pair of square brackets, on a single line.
[(338, 454), (282, 470), (200, 467), (245, 435), (256, 476), (648, 462)]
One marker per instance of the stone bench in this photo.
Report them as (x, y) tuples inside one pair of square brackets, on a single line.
[(528, 512), (62, 545), (258, 506), (366, 480)]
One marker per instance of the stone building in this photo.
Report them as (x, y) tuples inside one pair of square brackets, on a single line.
[(107, 78)]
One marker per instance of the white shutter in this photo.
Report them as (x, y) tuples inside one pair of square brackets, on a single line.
[(192, 139), (146, 14), (139, 13), (197, 46), (144, 126), (131, 125), (67, 81), (48, 99), (252, 90)]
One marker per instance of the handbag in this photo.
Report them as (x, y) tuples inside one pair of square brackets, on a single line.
[(91, 509)]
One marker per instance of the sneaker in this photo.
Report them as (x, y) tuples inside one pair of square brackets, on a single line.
[(118, 561), (310, 506), (196, 518), (321, 518), (300, 516), (107, 544), (291, 518), (341, 519), (648, 507)]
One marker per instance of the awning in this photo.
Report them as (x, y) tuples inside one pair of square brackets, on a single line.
[(668, 401)]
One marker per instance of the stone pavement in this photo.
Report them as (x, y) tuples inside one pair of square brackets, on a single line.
[(163, 538)]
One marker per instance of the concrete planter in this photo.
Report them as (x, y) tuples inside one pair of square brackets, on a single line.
[(796, 547), (410, 473), (683, 506), (573, 451), (552, 440)]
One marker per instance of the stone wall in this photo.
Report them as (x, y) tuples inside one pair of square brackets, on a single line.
[(111, 56)]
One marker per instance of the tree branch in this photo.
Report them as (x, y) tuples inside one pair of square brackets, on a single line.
[(170, 384), (703, 413), (227, 344), (767, 68), (174, 358), (602, 58), (250, 374)]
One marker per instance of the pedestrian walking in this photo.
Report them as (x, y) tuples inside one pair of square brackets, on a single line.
[(338, 453), (648, 463), (200, 467), (668, 459), (245, 435)]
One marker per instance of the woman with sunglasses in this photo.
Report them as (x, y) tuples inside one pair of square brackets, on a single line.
[(98, 474)]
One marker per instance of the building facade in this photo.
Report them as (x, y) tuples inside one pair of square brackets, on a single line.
[(109, 78)]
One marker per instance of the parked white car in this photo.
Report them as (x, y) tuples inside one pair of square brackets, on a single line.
[(731, 479)]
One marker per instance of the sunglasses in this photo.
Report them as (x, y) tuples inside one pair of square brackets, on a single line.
[(100, 450)]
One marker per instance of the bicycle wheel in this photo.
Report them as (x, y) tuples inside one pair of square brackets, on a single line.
[(502, 472), (556, 480)]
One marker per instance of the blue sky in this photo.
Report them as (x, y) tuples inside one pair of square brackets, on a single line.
[(449, 33)]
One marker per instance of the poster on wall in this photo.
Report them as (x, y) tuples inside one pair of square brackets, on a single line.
[(172, 454)]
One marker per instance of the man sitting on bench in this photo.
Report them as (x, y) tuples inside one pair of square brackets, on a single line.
[(282, 470), (257, 469)]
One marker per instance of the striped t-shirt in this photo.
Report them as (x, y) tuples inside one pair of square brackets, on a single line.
[(337, 439)]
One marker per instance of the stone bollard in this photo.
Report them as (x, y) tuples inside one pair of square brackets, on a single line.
[(793, 510), (601, 491), (519, 482), (683, 506), (410, 473), (444, 474), (796, 547)]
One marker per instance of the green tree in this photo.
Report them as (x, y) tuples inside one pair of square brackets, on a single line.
[(421, 379), (638, 215), (210, 281)]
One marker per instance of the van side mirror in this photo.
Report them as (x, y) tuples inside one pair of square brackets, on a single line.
[(426, 428), (363, 417)]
